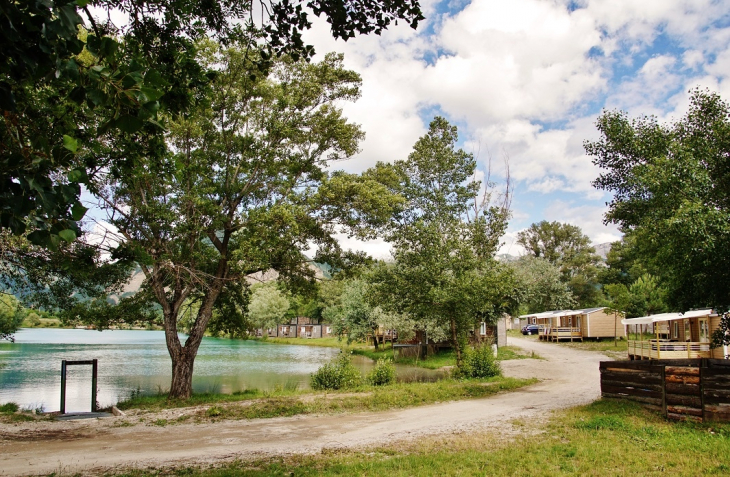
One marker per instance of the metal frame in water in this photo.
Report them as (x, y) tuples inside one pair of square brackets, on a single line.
[(94, 367)]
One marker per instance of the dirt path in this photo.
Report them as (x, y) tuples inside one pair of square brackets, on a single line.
[(569, 377)]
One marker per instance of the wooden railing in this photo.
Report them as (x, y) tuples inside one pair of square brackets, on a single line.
[(555, 333), (661, 349)]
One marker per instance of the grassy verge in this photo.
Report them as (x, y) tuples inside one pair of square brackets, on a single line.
[(606, 438), (254, 404), (330, 342), (10, 412), (608, 347)]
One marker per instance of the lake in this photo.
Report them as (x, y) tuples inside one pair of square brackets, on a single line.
[(136, 360)]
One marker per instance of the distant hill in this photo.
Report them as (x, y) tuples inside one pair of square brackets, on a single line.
[(505, 257), (602, 249)]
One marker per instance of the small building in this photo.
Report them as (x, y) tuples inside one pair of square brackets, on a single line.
[(571, 325), (496, 333), (673, 335), (286, 331), (384, 335)]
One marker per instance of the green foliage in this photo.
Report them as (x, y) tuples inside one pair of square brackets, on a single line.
[(721, 336), (11, 316), (670, 186), (444, 238), (9, 408), (479, 362), (339, 373), (353, 315), (71, 85), (624, 263), (565, 246), (540, 286), (268, 305), (383, 373)]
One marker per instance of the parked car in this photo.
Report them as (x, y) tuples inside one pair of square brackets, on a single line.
[(530, 330)]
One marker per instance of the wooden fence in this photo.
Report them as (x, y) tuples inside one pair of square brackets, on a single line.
[(681, 389)]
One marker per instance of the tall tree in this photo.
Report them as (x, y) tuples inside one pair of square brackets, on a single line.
[(353, 316), (268, 305), (565, 246), (245, 190), (540, 286), (444, 240), (670, 191), (63, 91)]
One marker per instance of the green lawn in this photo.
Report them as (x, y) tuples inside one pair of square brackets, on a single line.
[(606, 438), (617, 349), (257, 404)]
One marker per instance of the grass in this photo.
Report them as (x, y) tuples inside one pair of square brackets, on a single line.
[(160, 401), (11, 412), (42, 323), (606, 438), (365, 398), (605, 346), (330, 342)]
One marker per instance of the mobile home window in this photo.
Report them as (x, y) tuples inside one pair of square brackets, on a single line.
[(483, 329), (704, 331), (675, 330)]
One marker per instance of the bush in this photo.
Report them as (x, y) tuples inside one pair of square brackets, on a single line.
[(8, 408), (339, 373), (479, 362), (383, 373)]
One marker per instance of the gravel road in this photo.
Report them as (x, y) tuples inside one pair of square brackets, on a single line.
[(569, 377)]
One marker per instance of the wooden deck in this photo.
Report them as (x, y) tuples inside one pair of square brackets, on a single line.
[(561, 333), (663, 349)]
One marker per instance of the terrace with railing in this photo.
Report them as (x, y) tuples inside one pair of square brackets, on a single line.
[(558, 333), (666, 349)]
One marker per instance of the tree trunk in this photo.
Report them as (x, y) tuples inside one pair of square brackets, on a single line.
[(183, 357), (182, 375), (375, 339), (455, 341)]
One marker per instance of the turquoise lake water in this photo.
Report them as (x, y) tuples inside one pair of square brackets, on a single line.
[(30, 368), (131, 360)]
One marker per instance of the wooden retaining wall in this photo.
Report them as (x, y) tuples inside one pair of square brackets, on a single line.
[(681, 389)]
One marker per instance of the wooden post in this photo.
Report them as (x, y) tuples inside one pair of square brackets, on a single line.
[(658, 351), (63, 386), (664, 391), (704, 364), (94, 367)]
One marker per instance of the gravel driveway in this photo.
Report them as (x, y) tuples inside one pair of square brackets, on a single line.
[(569, 377)]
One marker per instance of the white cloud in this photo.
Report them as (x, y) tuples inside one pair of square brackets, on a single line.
[(588, 217), (527, 79)]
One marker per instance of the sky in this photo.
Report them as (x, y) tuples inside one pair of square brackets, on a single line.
[(525, 80)]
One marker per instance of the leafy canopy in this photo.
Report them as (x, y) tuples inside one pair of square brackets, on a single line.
[(444, 239), (565, 246), (72, 82), (670, 193)]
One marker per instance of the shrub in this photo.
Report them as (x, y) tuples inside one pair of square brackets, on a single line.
[(479, 362), (339, 373), (8, 408), (383, 373)]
